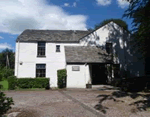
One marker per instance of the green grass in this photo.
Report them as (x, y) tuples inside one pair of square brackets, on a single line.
[(4, 83)]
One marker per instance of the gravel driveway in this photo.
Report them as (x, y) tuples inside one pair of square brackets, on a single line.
[(46, 104)]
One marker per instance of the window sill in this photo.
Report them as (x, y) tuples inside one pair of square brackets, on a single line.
[(41, 56)]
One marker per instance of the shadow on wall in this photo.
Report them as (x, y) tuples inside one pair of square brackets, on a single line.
[(123, 53), (131, 66)]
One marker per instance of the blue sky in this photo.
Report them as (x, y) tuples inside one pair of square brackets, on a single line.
[(18, 15)]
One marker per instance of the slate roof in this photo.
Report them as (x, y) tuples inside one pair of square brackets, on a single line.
[(51, 35), (86, 54)]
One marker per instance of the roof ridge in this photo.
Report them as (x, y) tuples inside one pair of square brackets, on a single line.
[(54, 30)]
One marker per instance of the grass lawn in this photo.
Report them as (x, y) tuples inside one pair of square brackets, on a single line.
[(4, 83)]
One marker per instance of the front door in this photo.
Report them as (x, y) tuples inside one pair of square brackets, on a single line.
[(99, 74)]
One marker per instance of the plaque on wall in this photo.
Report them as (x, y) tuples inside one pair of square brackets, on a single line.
[(75, 68)]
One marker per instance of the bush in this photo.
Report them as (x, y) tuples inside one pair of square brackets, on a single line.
[(0, 80), (62, 75), (12, 82), (5, 103), (117, 82), (33, 83), (6, 72), (133, 84)]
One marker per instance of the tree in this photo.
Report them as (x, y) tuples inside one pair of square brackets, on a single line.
[(139, 11), (7, 58), (120, 22)]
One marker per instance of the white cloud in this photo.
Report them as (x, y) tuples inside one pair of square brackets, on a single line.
[(122, 3), (66, 4), (1, 37), (18, 15), (74, 4), (103, 2), (5, 45)]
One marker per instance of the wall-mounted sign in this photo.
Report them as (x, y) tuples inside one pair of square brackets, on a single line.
[(75, 68)]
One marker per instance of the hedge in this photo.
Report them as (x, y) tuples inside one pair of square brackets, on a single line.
[(33, 83), (62, 75), (12, 82)]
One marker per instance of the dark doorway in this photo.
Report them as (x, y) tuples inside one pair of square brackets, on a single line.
[(99, 74), (147, 66)]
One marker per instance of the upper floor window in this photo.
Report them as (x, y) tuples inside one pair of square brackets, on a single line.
[(41, 49), (108, 48), (57, 48)]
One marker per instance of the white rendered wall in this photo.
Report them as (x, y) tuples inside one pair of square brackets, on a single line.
[(120, 38), (28, 55), (78, 79)]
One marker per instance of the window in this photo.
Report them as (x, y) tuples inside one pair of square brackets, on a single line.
[(41, 49), (57, 48), (116, 70), (109, 48), (40, 70)]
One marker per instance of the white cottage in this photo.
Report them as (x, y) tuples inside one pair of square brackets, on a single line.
[(85, 55)]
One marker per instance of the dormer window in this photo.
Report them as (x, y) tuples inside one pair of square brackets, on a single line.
[(57, 48), (108, 48), (41, 49)]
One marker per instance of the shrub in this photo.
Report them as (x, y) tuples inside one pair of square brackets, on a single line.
[(62, 75), (117, 82), (33, 82), (12, 82), (5, 102), (135, 84), (6, 72), (0, 80)]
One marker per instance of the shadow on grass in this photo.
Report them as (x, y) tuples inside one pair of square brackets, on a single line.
[(141, 105)]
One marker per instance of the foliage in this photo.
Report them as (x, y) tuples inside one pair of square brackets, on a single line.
[(90, 29), (139, 11), (117, 21), (116, 82), (33, 82), (5, 102), (0, 80), (12, 81), (62, 75), (11, 58), (132, 84), (6, 72)]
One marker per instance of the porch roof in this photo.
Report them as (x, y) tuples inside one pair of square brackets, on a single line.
[(88, 54)]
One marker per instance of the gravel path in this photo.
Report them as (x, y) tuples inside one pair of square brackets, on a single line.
[(46, 104), (114, 109)]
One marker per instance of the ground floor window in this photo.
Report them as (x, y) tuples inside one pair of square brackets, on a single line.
[(40, 70)]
